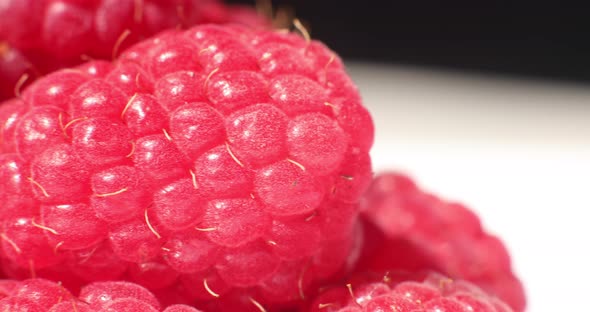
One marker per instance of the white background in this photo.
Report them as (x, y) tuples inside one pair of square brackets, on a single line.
[(517, 152)]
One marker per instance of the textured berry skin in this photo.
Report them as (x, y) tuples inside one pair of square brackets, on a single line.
[(237, 174), (44, 295), (60, 33), (420, 292), (433, 234)]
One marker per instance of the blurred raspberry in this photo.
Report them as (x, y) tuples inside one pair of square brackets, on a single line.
[(409, 229), (62, 33)]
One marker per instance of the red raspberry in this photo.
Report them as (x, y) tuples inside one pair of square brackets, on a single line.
[(424, 292), (434, 234), (61, 33), (40, 295), (13, 65), (217, 161)]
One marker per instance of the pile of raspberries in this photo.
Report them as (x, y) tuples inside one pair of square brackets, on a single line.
[(183, 155)]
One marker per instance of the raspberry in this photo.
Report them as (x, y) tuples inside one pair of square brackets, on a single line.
[(420, 292), (434, 234), (219, 178), (13, 65), (61, 33), (44, 295)]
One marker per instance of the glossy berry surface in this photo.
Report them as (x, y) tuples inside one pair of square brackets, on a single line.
[(44, 295), (61, 33), (410, 229), (217, 162), (421, 292)]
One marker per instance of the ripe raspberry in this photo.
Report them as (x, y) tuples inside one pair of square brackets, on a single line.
[(217, 161), (424, 292), (40, 295), (434, 234), (13, 65), (61, 33)]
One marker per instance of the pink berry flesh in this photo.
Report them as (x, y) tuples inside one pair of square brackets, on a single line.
[(101, 294)]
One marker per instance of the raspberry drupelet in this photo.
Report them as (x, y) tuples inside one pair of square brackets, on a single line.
[(62, 33), (402, 292), (410, 229), (41, 295), (219, 161)]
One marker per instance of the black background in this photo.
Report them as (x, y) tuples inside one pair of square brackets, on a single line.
[(525, 38)]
